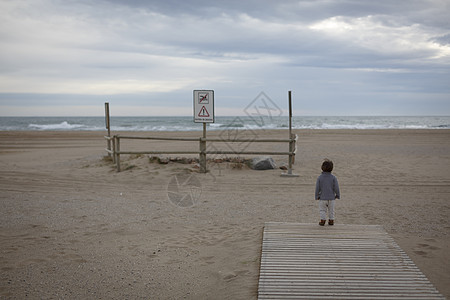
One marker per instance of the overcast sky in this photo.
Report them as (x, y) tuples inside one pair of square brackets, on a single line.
[(349, 57)]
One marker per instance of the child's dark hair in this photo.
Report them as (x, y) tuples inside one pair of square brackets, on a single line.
[(327, 165)]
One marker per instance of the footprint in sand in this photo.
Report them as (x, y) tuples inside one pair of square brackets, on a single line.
[(424, 249), (421, 253), (209, 260), (427, 246)]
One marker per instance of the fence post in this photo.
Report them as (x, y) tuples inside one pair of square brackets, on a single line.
[(291, 150), (117, 138), (291, 142), (294, 147), (108, 142), (202, 158), (113, 140)]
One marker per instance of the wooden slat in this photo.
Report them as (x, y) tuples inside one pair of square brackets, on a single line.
[(307, 261)]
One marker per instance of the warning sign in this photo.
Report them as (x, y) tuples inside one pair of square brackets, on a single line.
[(203, 113), (203, 106)]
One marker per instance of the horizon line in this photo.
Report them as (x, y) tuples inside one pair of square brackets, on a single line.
[(222, 116)]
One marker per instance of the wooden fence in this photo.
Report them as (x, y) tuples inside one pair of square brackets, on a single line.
[(114, 148)]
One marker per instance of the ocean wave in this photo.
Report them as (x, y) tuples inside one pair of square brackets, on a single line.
[(60, 126), (442, 126)]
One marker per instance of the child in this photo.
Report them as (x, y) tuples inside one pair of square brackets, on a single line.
[(327, 190)]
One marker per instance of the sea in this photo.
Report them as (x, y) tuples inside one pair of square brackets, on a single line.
[(222, 123)]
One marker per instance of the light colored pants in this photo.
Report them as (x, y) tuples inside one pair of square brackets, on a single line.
[(325, 205)]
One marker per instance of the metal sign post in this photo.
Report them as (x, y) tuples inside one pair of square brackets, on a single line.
[(203, 113)]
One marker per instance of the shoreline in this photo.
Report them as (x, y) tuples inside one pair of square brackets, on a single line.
[(282, 133), (72, 227)]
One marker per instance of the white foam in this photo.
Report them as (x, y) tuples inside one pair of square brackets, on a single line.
[(61, 126)]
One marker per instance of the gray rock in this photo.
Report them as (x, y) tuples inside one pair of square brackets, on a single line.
[(263, 163)]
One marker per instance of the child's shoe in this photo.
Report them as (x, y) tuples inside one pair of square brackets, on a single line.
[(331, 222), (322, 222)]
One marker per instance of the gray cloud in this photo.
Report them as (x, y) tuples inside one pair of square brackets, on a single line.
[(443, 40), (147, 50)]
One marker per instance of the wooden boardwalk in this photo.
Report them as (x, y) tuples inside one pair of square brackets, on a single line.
[(308, 261)]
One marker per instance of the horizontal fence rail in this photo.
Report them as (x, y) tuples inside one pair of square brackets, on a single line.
[(115, 150), (157, 138)]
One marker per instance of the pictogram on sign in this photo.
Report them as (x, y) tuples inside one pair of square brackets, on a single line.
[(203, 98), (203, 112)]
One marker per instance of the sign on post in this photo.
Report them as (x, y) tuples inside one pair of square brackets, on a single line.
[(203, 106)]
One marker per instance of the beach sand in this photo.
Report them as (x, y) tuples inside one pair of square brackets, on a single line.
[(72, 227)]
